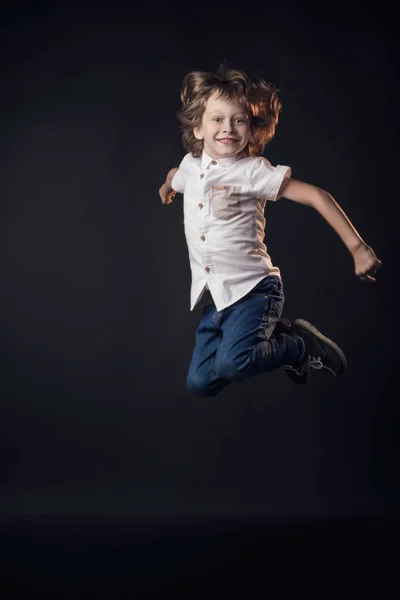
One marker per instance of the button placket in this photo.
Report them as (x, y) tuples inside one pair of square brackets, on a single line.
[(203, 237), (200, 204)]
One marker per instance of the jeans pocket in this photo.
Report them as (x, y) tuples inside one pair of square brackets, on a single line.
[(269, 286), (226, 201), (272, 314)]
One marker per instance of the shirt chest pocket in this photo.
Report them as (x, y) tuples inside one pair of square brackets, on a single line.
[(226, 201)]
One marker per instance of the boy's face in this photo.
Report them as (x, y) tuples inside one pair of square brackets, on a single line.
[(225, 127)]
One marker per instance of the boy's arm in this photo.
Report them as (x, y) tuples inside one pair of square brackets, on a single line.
[(166, 191), (365, 262)]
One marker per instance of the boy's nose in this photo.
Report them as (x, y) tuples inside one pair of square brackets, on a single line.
[(228, 127)]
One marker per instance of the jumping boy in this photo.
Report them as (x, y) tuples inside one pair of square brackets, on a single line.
[(226, 120)]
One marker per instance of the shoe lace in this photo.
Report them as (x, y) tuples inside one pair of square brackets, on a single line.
[(313, 362)]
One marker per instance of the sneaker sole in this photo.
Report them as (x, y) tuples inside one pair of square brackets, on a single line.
[(311, 329)]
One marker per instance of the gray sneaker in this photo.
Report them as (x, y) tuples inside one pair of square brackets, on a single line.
[(322, 353)]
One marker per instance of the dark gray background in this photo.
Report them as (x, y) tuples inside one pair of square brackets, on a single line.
[(115, 481), (96, 332)]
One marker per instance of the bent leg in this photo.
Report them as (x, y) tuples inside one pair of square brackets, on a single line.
[(249, 346), (202, 379)]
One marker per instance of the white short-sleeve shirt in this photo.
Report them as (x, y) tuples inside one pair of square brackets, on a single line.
[(224, 202)]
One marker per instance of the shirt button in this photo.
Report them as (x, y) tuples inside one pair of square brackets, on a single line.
[(200, 205), (213, 162), (201, 175), (203, 237), (207, 269)]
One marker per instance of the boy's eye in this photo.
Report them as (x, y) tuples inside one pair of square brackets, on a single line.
[(238, 120)]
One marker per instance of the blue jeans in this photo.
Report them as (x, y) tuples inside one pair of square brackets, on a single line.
[(239, 342)]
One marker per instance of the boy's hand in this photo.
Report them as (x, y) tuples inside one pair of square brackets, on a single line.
[(166, 193), (366, 263)]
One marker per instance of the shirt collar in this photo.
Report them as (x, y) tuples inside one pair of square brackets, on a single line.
[(222, 162)]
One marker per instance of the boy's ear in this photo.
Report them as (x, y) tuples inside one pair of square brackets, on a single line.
[(198, 133)]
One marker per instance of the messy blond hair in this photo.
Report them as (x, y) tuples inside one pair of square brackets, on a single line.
[(258, 98)]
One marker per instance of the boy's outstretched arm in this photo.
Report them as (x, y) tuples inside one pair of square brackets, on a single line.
[(166, 191), (365, 262)]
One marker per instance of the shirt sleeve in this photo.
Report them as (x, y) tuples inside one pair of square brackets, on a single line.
[(266, 180), (179, 179)]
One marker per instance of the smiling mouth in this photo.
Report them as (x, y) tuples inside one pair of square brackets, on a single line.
[(227, 141)]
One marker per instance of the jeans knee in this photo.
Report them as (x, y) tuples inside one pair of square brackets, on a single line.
[(197, 385), (229, 369)]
